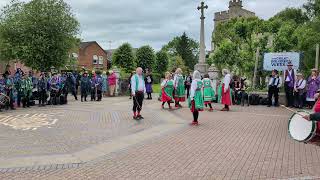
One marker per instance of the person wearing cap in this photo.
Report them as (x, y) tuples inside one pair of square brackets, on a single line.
[(84, 86), (42, 89), (313, 84), (289, 83), (138, 89), (299, 91)]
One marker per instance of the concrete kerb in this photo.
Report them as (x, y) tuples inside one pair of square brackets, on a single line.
[(172, 122)]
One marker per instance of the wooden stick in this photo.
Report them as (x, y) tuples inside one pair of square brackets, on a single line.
[(294, 111)]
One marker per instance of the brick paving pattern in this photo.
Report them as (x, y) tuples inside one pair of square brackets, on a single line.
[(247, 143)]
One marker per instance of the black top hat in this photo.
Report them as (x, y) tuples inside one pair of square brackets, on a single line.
[(289, 63)]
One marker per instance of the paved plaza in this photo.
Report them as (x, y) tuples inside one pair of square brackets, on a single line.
[(99, 140)]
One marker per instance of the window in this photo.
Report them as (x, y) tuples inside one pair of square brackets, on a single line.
[(95, 59), (101, 60)]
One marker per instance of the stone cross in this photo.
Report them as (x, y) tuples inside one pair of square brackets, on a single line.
[(202, 7)]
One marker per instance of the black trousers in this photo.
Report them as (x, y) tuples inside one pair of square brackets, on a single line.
[(99, 94), (188, 90), (42, 97), (298, 99), (93, 94), (10, 103), (19, 99), (273, 91), (195, 115), (289, 94), (26, 101), (137, 101), (84, 95)]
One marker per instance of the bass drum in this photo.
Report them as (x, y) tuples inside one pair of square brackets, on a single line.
[(300, 129)]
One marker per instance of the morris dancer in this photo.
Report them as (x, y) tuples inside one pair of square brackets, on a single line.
[(208, 92), (26, 88), (42, 89), (179, 93), (167, 90), (226, 97), (84, 86), (196, 99), (138, 89)]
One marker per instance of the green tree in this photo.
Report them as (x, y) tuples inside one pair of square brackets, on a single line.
[(123, 57), (162, 61), (313, 8), (185, 47), (39, 33), (145, 57), (177, 62)]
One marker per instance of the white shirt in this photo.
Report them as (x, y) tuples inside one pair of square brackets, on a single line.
[(193, 88), (226, 82), (301, 84), (290, 73), (278, 82), (141, 84), (164, 82)]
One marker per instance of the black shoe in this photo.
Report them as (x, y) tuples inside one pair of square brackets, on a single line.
[(140, 117)]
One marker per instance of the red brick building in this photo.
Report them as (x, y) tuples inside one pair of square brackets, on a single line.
[(91, 56), (14, 65)]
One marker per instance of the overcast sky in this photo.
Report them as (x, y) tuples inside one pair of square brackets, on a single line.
[(155, 22)]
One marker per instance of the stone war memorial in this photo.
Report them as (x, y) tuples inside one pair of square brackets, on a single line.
[(131, 90)]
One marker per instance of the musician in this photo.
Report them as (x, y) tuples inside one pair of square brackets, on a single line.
[(94, 82), (299, 91), (42, 89), (70, 86), (2, 88), (179, 89), (196, 98), (289, 83), (54, 88), (274, 86), (226, 91), (138, 89), (99, 84), (26, 88), (17, 83), (9, 88), (84, 86), (313, 117)]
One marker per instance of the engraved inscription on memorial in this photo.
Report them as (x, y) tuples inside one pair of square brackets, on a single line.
[(29, 121)]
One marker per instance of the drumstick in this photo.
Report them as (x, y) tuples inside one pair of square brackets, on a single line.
[(291, 110)]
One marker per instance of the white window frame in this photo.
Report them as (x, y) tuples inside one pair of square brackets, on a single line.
[(95, 59), (101, 59)]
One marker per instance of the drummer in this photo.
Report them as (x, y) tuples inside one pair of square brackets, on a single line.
[(316, 115)]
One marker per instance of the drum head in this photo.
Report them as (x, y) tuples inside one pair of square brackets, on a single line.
[(300, 129)]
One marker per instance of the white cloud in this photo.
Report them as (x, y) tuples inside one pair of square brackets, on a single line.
[(142, 22)]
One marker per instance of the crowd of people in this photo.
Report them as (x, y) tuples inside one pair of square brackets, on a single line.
[(25, 88)]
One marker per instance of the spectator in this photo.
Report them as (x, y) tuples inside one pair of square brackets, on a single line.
[(112, 81)]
